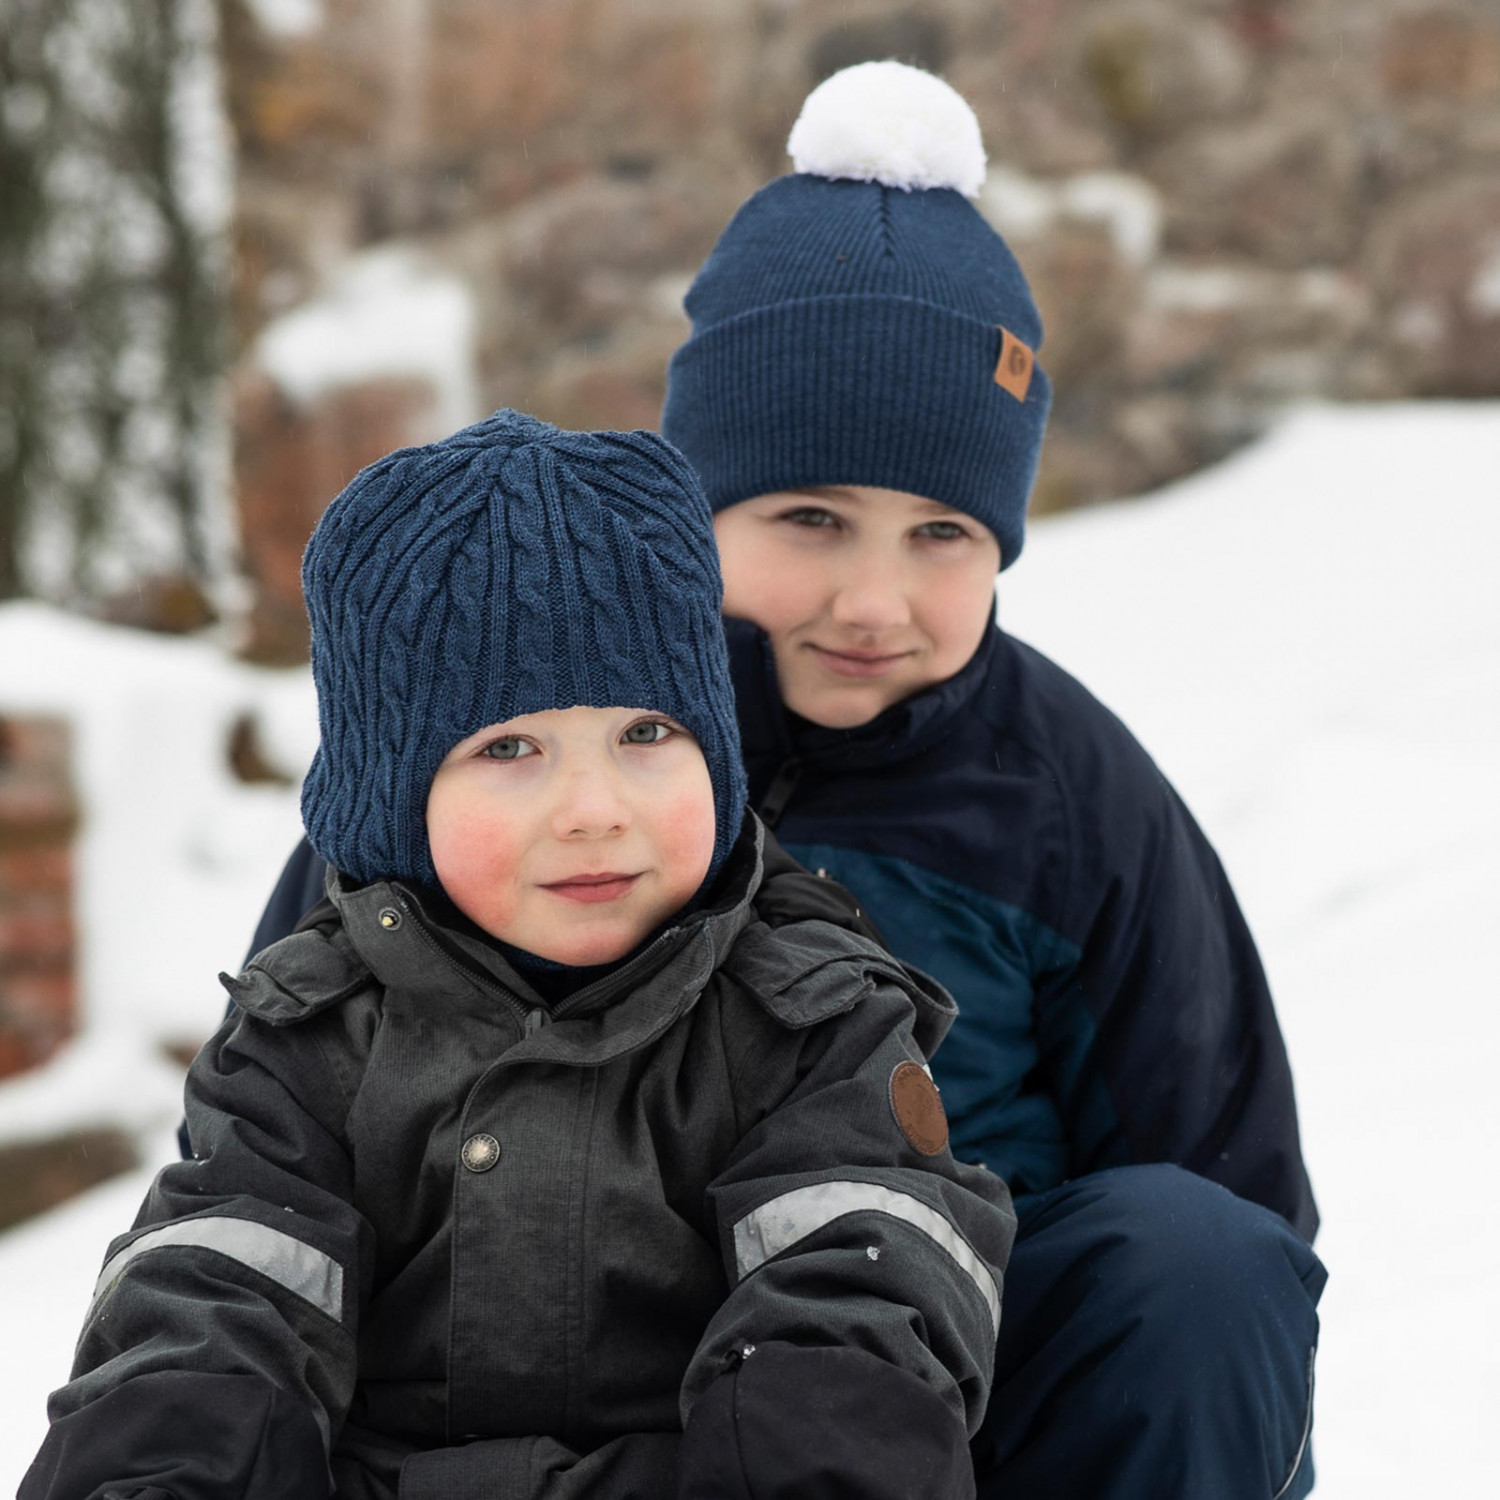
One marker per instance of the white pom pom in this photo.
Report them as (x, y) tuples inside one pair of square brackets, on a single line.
[(888, 123)]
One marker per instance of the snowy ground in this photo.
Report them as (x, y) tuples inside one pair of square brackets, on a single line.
[(1307, 638)]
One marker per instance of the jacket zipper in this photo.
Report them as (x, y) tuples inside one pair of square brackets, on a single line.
[(531, 1017), (622, 975), (779, 793)]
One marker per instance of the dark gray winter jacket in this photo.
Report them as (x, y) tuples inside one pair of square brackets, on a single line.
[(438, 1239)]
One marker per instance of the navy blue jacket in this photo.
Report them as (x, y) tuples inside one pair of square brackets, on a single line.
[(1009, 835)]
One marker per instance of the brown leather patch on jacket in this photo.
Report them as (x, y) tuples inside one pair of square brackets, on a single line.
[(917, 1108), (1013, 368)]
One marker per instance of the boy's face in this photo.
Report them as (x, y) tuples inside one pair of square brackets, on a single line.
[(573, 833), (868, 595)]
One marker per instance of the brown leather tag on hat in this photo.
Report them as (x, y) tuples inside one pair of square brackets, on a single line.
[(917, 1108), (1014, 367)]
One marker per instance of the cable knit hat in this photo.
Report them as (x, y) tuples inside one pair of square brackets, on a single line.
[(859, 322), (509, 569)]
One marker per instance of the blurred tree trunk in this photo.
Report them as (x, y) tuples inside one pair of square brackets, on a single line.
[(26, 108), (113, 295)]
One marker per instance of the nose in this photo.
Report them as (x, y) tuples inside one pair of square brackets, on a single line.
[(872, 596), (590, 804)]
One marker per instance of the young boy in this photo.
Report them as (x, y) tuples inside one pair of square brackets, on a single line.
[(576, 1145)]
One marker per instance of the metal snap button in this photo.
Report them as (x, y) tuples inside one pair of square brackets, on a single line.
[(480, 1153), (389, 918)]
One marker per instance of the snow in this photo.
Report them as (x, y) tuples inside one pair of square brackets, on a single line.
[(1020, 207), (1308, 640), (1129, 207), (287, 19), (1484, 293), (50, 1267), (386, 313), (1184, 287), (176, 856)]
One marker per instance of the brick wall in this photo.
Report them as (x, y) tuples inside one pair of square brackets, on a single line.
[(38, 820)]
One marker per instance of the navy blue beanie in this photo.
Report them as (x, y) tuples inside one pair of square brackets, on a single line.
[(859, 322), (509, 569)]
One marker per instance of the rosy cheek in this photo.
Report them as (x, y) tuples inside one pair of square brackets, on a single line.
[(686, 831), (465, 858), (474, 860)]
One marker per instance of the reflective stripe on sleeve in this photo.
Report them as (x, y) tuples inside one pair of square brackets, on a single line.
[(776, 1225), (307, 1273)]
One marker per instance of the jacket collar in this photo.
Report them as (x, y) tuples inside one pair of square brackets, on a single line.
[(416, 941), (905, 729)]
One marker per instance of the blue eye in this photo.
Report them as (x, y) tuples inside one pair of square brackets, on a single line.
[(647, 732), (509, 748), (942, 531), (812, 516)]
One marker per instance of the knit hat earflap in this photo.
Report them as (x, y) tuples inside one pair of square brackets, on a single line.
[(859, 322), (509, 569)]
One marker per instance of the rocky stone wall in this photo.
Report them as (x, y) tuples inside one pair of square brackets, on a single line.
[(1224, 205), (38, 819)]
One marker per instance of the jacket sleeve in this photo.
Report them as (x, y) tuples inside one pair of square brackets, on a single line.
[(1167, 1013), (866, 1269), (639, 1466), (298, 889), (218, 1354)]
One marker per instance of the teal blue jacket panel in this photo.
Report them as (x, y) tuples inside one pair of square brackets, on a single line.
[(1001, 1101)]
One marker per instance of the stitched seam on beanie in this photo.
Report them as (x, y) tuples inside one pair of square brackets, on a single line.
[(887, 229), (532, 643), (765, 308), (615, 610), (561, 499)]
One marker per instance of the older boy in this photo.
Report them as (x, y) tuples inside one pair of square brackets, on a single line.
[(862, 399), (569, 1149)]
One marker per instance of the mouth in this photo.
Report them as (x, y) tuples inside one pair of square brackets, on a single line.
[(858, 663), (608, 885)]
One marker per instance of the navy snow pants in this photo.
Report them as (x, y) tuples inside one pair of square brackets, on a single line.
[(1157, 1339)]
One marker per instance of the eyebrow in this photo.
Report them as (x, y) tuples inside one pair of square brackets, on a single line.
[(825, 491), (853, 497)]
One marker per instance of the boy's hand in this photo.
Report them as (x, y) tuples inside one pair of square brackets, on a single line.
[(786, 1422)]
